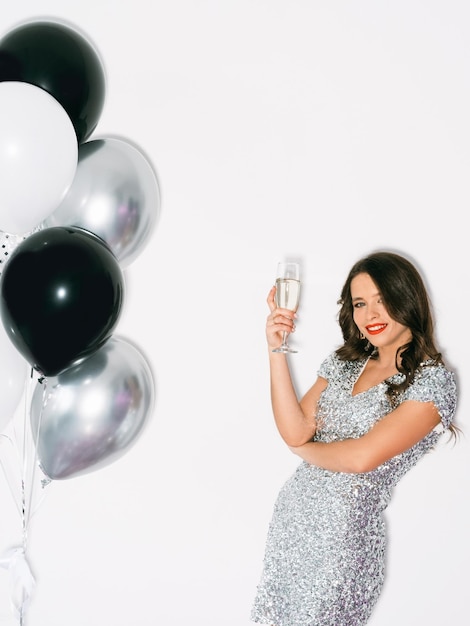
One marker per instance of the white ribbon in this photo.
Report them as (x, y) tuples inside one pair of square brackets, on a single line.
[(21, 580)]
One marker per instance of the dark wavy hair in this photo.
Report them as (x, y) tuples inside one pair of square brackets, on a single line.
[(405, 297)]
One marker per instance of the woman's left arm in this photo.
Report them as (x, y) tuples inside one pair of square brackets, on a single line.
[(393, 434)]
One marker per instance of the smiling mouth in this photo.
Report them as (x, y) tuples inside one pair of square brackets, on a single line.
[(376, 329)]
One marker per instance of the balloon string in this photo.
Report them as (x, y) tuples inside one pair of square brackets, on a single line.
[(13, 467), (30, 460), (10, 480), (25, 500), (25, 445), (20, 470)]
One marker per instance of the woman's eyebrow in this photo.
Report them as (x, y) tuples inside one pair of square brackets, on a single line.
[(374, 295)]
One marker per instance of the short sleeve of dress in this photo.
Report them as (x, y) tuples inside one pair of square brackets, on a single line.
[(328, 367), (435, 384)]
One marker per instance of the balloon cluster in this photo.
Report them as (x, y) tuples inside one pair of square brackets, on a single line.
[(82, 209)]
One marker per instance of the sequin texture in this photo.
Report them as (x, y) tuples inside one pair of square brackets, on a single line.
[(324, 561)]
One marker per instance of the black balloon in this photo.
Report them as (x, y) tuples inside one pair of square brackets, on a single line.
[(61, 294), (61, 61)]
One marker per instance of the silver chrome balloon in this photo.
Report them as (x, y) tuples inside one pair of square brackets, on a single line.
[(115, 194), (91, 413)]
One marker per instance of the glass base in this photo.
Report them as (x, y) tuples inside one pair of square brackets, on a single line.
[(284, 349)]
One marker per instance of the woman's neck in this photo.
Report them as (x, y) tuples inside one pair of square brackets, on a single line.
[(386, 358)]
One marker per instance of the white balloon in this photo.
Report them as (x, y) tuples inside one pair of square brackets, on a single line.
[(38, 155)]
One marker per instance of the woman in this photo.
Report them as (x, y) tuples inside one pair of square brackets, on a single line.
[(380, 402)]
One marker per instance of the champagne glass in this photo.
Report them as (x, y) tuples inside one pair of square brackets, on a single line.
[(287, 294)]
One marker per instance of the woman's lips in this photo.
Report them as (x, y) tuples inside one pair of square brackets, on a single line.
[(375, 329)]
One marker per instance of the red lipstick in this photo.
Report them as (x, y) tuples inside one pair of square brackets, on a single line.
[(376, 329)]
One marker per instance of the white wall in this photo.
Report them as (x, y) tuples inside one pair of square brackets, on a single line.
[(324, 129)]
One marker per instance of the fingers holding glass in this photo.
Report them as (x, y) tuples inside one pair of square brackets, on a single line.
[(286, 297), (279, 323)]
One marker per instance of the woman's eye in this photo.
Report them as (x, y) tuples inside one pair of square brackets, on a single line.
[(357, 305)]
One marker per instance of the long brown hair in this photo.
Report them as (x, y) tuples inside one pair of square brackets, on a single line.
[(405, 297)]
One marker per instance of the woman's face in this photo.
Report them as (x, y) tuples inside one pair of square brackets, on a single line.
[(371, 316)]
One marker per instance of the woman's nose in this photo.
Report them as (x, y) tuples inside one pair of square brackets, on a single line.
[(372, 312)]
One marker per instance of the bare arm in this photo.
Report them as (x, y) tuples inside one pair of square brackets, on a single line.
[(396, 432), (295, 420)]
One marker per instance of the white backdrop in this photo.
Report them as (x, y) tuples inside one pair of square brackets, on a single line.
[(316, 128)]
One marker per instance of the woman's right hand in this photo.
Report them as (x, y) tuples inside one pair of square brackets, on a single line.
[(278, 321)]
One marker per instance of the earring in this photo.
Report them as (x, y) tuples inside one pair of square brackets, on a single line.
[(367, 346)]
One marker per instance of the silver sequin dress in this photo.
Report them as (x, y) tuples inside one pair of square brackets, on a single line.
[(325, 551)]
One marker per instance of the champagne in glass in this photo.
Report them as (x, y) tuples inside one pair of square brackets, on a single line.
[(287, 294)]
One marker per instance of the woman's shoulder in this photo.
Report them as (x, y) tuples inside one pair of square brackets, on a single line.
[(333, 366), (432, 373), (434, 382)]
